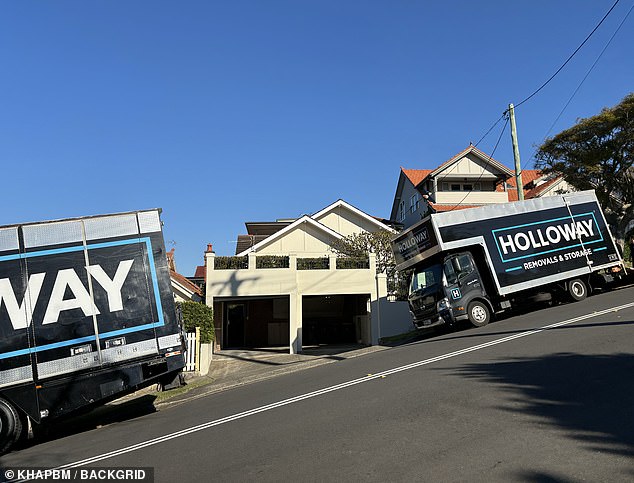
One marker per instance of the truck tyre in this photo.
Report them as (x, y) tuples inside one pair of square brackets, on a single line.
[(478, 313), (577, 290), (10, 426)]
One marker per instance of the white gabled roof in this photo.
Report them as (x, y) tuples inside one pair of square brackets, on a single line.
[(348, 206), (489, 161), (292, 226)]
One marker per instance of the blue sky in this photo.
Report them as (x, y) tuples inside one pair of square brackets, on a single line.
[(226, 112)]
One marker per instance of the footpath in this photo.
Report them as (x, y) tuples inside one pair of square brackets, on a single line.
[(232, 368)]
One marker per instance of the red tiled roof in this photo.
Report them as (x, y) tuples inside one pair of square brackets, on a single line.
[(440, 208), (200, 272), (186, 283), (538, 190), (416, 175), (528, 176)]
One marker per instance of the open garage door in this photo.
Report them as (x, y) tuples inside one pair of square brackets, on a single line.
[(333, 319), (255, 322)]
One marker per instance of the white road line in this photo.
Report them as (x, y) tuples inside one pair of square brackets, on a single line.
[(370, 377)]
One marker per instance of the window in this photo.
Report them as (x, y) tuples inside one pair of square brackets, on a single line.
[(426, 277), (458, 267), (461, 187), (414, 203), (401, 211)]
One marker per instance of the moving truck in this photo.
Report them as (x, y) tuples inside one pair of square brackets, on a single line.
[(469, 264), (87, 314)]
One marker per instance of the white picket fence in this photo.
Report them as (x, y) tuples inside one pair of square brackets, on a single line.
[(191, 351)]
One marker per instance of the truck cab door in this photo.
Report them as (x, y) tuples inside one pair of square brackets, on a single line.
[(463, 278)]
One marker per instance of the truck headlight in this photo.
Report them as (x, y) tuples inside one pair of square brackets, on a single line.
[(443, 304)]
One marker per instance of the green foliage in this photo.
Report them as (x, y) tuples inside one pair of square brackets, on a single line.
[(358, 246), (231, 263), (598, 153), (353, 263), (319, 263), (197, 314), (399, 284), (272, 261)]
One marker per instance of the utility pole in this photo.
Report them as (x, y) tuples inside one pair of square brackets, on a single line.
[(516, 155)]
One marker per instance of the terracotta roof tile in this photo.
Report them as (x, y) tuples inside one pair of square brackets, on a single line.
[(538, 190), (186, 283), (200, 272), (440, 208), (416, 175), (528, 176)]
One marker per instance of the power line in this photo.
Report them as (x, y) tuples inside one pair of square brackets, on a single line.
[(505, 114), (482, 138), (488, 160), (571, 56), (490, 129), (584, 79)]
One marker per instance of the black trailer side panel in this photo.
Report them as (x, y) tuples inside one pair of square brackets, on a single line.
[(15, 337), (86, 310), (542, 244)]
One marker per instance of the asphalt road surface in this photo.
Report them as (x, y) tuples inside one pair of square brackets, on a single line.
[(542, 397)]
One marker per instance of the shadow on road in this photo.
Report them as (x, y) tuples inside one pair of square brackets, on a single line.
[(88, 421), (588, 397)]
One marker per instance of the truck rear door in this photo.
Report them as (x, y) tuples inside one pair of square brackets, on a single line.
[(99, 302)]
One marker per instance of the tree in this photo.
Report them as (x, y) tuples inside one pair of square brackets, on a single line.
[(197, 314), (598, 153), (359, 245)]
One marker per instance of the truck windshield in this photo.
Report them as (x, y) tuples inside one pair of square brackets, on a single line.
[(425, 277)]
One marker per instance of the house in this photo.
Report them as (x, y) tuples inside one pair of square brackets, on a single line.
[(470, 178), (182, 288), (287, 287)]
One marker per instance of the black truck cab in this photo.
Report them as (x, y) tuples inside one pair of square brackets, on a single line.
[(448, 289)]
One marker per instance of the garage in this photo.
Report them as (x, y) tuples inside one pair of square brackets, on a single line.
[(254, 322), (334, 319)]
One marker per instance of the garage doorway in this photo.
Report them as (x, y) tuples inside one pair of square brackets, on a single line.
[(234, 325), (255, 322), (333, 319)]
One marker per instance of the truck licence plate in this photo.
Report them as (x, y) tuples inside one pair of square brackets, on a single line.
[(427, 322)]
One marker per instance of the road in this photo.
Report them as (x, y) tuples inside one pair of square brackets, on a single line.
[(513, 401)]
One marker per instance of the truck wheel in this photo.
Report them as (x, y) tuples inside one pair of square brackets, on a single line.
[(10, 426), (577, 290), (478, 313)]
